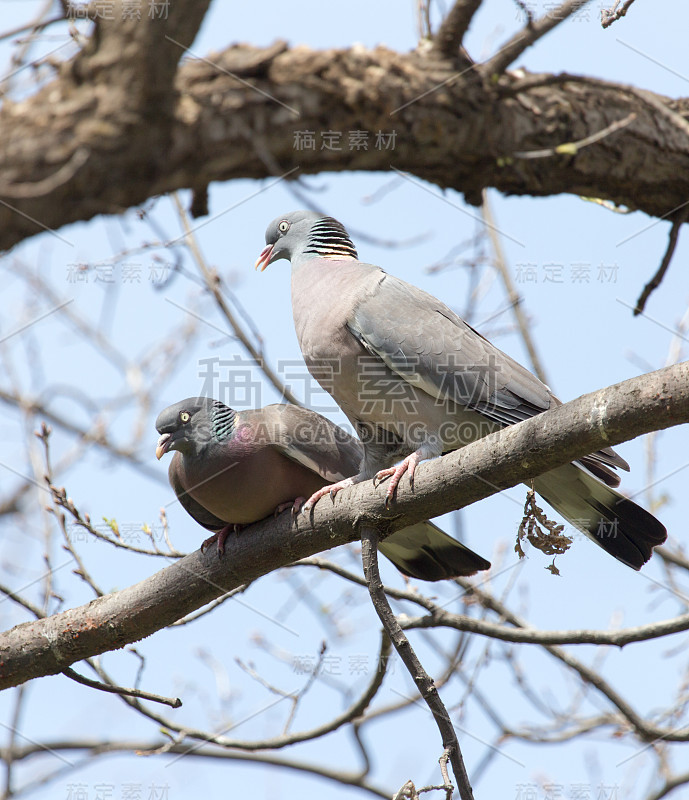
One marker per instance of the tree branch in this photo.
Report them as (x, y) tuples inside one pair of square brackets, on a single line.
[(529, 35), (448, 128), (422, 680), (656, 280), (621, 412), (641, 633), (97, 747), (610, 15), (448, 39)]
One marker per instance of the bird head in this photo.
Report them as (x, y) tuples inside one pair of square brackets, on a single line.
[(188, 426), (305, 233)]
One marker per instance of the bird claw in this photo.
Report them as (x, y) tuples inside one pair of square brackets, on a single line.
[(395, 475), (331, 490), (220, 537), (295, 505)]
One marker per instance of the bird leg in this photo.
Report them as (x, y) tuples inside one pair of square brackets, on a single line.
[(220, 537), (332, 490), (409, 465), (295, 505)]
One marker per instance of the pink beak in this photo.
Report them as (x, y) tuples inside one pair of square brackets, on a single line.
[(163, 445), (264, 258)]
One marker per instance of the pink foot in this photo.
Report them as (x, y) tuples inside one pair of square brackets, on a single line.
[(220, 537), (332, 490), (395, 474), (295, 505)]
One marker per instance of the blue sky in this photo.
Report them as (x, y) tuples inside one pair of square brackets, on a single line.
[(585, 335)]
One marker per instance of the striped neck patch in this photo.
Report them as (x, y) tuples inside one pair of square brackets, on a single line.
[(222, 421), (329, 239)]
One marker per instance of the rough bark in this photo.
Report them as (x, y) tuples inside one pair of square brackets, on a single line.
[(121, 123), (650, 402)]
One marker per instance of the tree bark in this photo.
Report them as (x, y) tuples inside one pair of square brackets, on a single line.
[(122, 122), (646, 403)]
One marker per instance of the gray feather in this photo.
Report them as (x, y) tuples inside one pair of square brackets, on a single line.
[(412, 376)]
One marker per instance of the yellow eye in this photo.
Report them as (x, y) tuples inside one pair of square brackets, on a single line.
[(283, 227), (184, 416)]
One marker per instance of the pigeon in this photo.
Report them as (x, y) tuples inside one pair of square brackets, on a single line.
[(232, 468), (416, 381)]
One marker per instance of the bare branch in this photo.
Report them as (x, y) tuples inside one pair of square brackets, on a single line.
[(646, 731), (512, 295), (174, 702), (213, 283), (610, 15), (572, 148), (248, 91), (97, 747), (448, 39), (422, 680), (529, 35), (618, 638), (656, 280), (649, 402)]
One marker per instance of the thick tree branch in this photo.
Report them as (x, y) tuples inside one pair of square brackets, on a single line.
[(246, 111), (650, 402), (69, 141)]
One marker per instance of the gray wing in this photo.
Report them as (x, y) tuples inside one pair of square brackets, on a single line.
[(314, 441), (423, 341), (195, 510)]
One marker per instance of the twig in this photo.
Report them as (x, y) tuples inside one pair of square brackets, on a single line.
[(646, 731), (678, 559), (656, 280), (447, 785), (608, 16), (173, 702), (655, 401), (93, 435), (212, 281), (23, 191), (453, 28), (671, 783), (424, 683), (97, 747), (527, 12), (528, 35), (31, 26), (210, 607), (618, 638), (572, 148), (59, 496), (13, 729), (512, 295)]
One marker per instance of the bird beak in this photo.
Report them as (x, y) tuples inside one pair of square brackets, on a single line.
[(264, 259), (163, 445)]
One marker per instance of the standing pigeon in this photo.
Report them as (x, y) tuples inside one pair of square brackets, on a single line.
[(417, 381), (232, 468)]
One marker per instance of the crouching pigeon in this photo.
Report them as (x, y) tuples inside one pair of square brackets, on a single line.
[(232, 468)]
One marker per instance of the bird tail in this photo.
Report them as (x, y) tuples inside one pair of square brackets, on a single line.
[(423, 551), (618, 525)]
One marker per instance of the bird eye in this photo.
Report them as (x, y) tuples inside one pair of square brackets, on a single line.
[(283, 227), (184, 416)]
